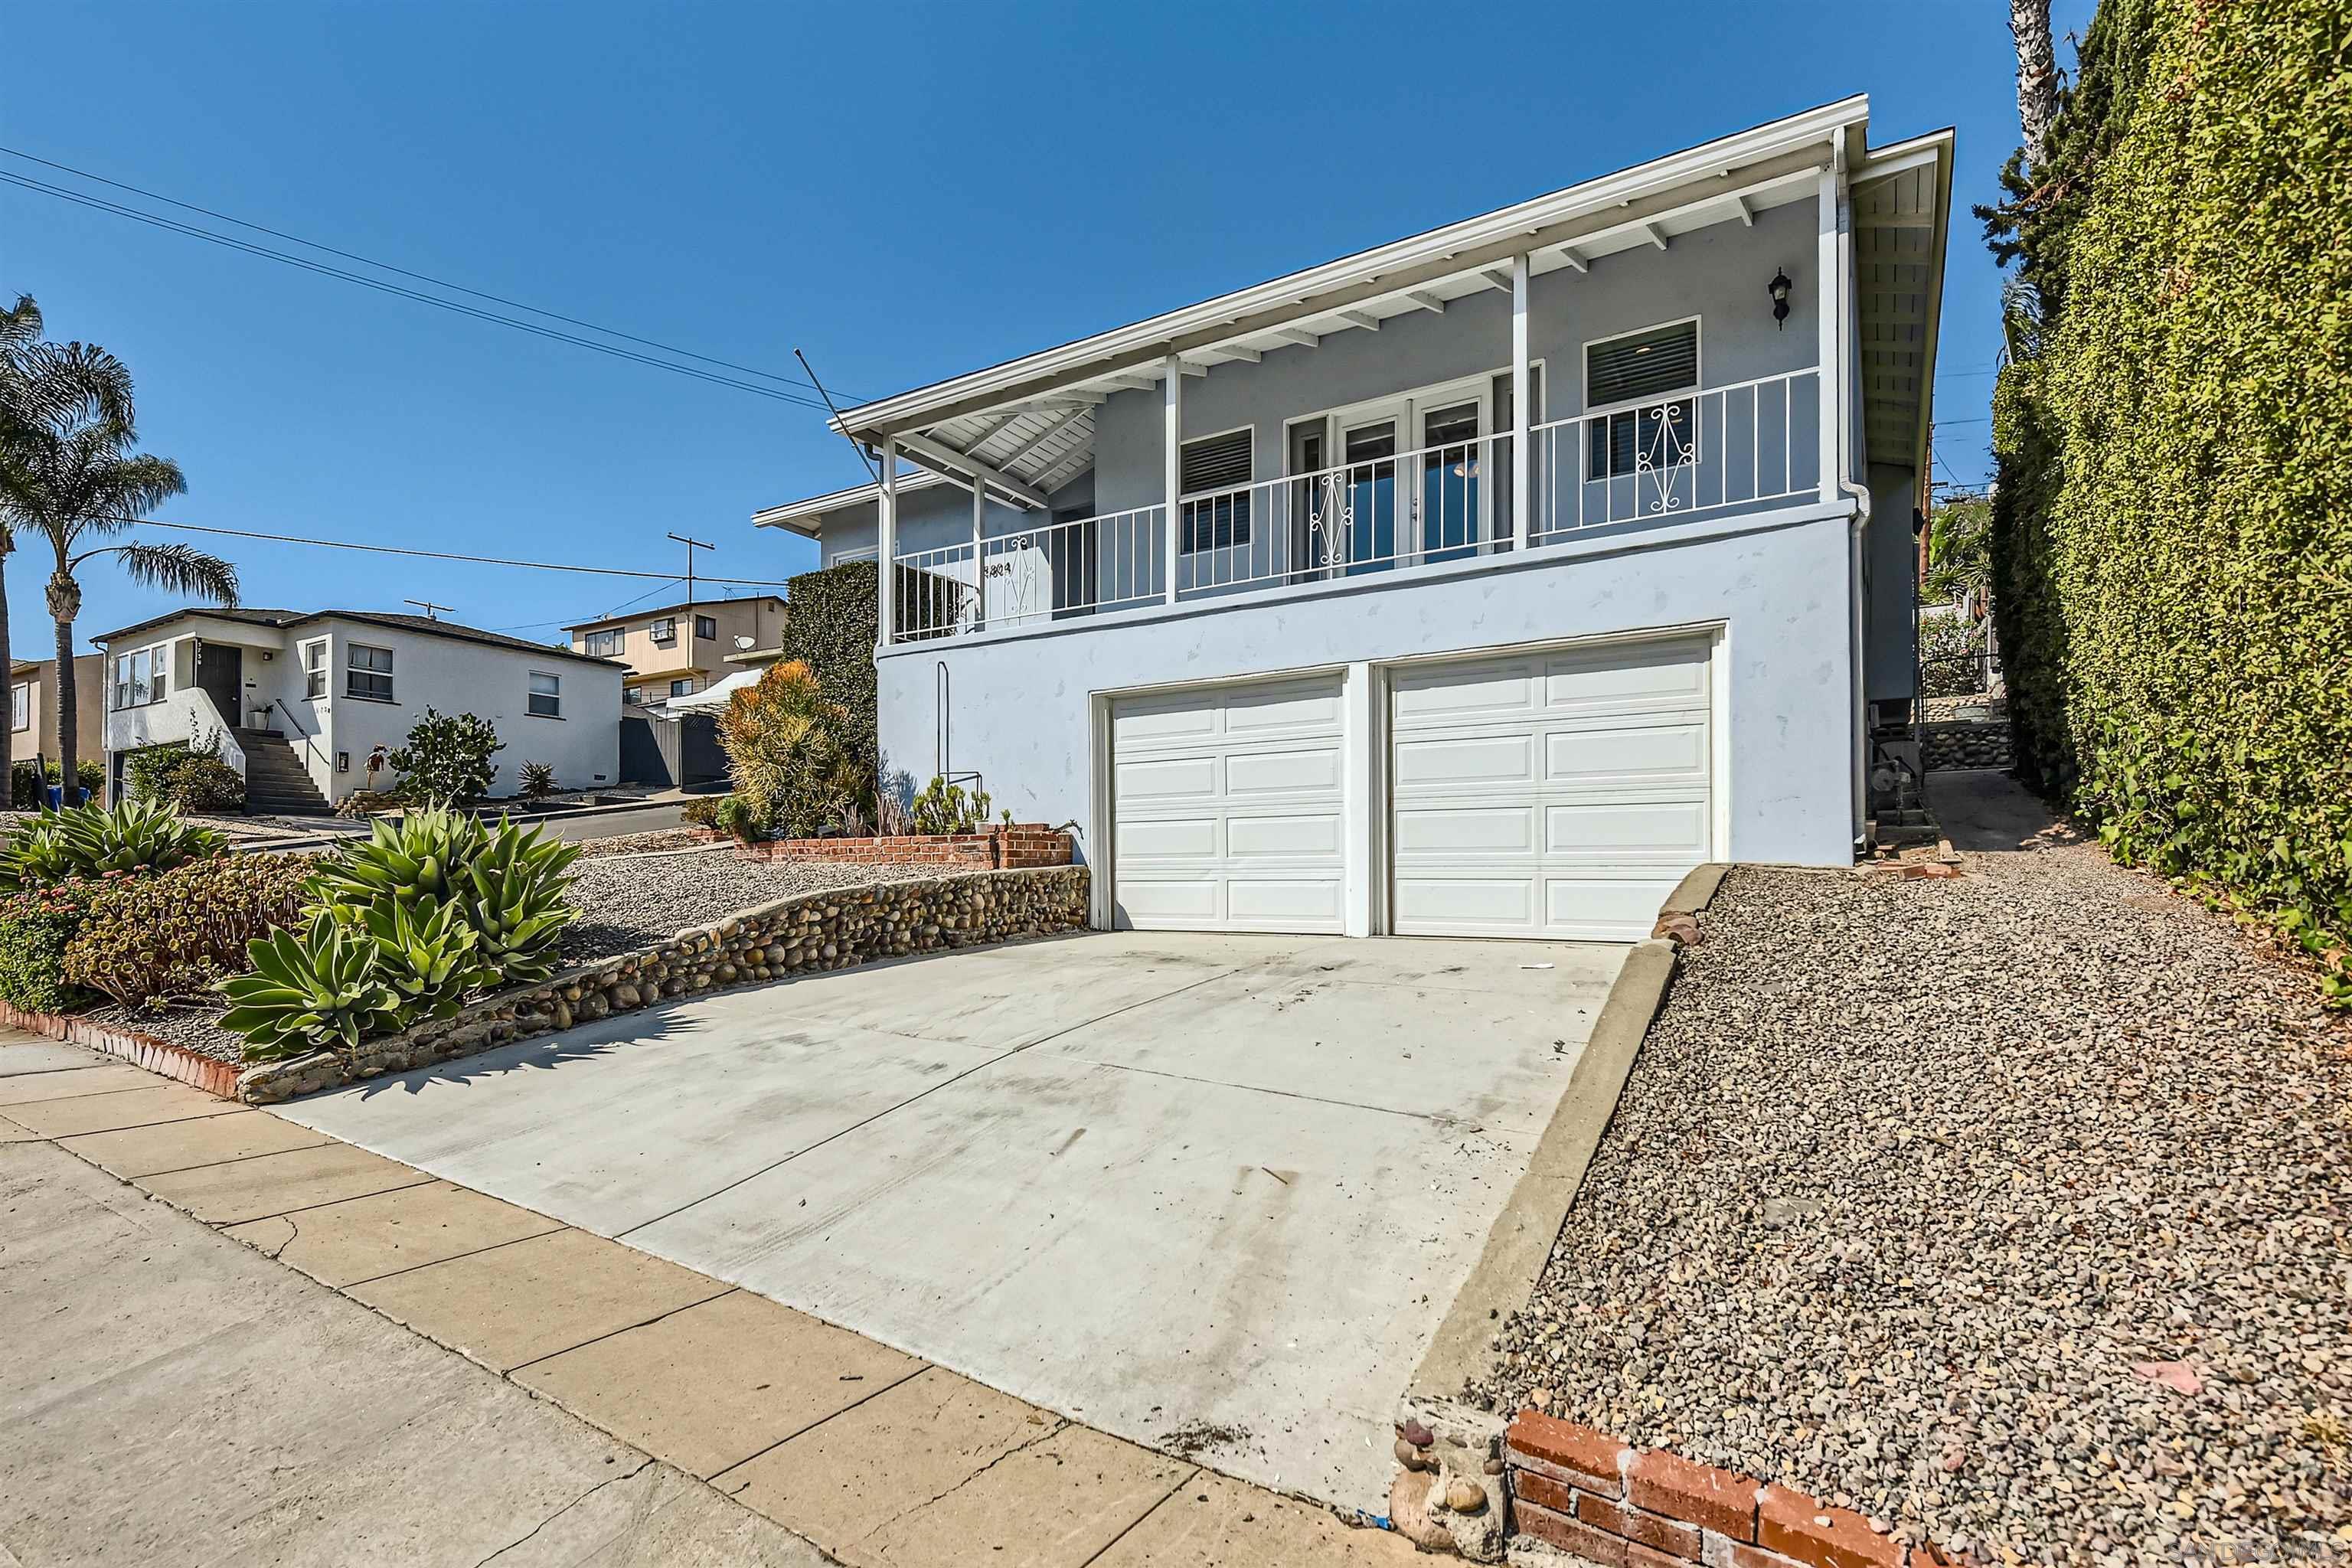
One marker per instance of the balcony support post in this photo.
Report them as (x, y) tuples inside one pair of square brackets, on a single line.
[(980, 554), (1171, 392), (1522, 416), (885, 553), (1832, 375)]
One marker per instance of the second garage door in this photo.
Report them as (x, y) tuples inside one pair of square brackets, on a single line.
[(1227, 808), (1558, 794)]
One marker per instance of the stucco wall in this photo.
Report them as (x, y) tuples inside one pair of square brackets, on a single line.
[(1022, 704), (1890, 628)]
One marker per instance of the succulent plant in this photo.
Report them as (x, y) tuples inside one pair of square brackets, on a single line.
[(94, 841), (320, 986), (428, 960), (514, 893)]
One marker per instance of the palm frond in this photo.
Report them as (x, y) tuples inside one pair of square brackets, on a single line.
[(178, 569), (64, 386)]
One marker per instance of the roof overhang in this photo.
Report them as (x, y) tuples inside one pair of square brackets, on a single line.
[(1642, 205), (1901, 205), (806, 518)]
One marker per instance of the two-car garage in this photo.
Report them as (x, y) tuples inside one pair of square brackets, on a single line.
[(1545, 792)]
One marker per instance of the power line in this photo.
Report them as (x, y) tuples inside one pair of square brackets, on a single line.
[(664, 577), (402, 272), (102, 204)]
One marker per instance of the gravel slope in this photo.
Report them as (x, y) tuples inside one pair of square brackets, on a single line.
[(1911, 1177), (627, 900)]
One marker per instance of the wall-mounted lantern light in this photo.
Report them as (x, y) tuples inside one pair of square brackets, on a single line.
[(1779, 288)]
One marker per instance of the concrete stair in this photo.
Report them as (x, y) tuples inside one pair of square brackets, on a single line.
[(275, 780)]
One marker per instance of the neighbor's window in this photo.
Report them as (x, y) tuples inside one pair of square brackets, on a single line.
[(682, 688), (604, 645), (664, 630), (20, 706), (633, 694), (1216, 464), (368, 673), (142, 677), (706, 627), (314, 670), (546, 695), (1631, 382)]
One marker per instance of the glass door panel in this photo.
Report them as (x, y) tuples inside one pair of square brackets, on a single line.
[(1368, 531), (1450, 482)]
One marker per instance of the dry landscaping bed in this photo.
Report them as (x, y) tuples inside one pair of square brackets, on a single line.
[(2015, 1211)]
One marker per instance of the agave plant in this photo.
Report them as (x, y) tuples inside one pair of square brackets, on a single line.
[(96, 840), (514, 895), (426, 959), (418, 861), (320, 986)]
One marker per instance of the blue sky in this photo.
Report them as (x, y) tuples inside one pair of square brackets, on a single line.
[(904, 192)]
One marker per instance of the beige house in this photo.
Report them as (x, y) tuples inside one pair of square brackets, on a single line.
[(680, 649), (33, 707)]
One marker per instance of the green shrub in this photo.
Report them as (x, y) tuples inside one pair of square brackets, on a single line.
[(943, 807), (538, 780), (829, 621), (703, 811), (2174, 511), (736, 816), (27, 777), (36, 926), (508, 883), (446, 760), (1951, 656), (92, 840), (782, 751), (175, 936), (312, 987), (192, 778)]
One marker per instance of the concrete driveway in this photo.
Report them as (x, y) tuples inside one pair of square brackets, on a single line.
[(1212, 1193)]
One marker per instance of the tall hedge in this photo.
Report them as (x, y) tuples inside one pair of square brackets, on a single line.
[(829, 620), (2173, 522)]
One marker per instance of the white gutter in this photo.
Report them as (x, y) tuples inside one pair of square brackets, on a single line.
[(1859, 494)]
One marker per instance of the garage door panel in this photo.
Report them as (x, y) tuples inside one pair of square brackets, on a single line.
[(1453, 762), (1571, 816), (1584, 758), (1282, 773), (1456, 830), (1227, 808), (1283, 838), (1606, 909), (1191, 779), (1612, 830)]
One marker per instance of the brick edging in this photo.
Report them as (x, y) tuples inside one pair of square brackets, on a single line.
[(1585, 1492), (178, 1062)]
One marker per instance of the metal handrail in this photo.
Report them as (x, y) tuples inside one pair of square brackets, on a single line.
[(279, 703)]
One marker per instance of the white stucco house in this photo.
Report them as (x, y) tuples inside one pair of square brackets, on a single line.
[(1480, 584), (300, 699)]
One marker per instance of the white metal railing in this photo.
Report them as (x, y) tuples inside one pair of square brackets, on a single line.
[(1748, 446), (1048, 572)]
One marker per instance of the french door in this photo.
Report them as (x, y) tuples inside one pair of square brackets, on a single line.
[(1406, 482)]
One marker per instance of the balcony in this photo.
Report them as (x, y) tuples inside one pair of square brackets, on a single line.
[(1748, 447)]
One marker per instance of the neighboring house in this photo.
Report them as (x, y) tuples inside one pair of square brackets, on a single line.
[(33, 707), (681, 649), (1481, 583), (301, 700)]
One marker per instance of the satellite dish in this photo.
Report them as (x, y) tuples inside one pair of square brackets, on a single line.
[(745, 645)]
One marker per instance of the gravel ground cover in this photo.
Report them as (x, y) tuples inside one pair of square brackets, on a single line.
[(643, 843), (2014, 1210), (196, 1027)]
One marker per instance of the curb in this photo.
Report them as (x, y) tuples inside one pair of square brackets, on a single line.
[(160, 1056)]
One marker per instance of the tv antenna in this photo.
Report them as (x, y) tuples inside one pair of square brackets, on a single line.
[(428, 606)]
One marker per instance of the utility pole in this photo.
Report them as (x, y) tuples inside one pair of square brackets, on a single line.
[(428, 606), (691, 546)]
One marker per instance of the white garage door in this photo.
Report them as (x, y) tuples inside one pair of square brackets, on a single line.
[(1227, 805), (1555, 794)]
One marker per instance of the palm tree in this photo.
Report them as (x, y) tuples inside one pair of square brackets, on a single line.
[(71, 476), (43, 384)]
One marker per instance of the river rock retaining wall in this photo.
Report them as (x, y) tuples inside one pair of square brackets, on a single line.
[(1966, 743), (1020, 846), (802, 934)]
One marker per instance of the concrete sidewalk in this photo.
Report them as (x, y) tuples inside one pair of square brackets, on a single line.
[(173, 1397)]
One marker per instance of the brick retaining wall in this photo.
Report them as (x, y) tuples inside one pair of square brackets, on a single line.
[(1586, 1493), (173, 1061), (1020, 847), (809, 931)]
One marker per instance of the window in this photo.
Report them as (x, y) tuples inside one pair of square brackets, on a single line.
[(143, 677), (20, 705), (664, 630), (314, 670), (1220, 464), (603, 645), (1644, 369), (633, 694), (368, 675), (546, 696), (682, 688), (707, 627)]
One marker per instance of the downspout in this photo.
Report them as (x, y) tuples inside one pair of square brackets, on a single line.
[(1858, 493)]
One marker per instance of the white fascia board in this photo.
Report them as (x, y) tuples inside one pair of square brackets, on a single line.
[(806, 517), (1708, 162)]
